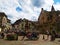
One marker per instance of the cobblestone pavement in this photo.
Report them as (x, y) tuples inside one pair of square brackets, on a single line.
[(28, 42)]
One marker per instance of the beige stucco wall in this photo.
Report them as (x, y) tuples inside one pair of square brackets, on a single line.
[(4, 20)]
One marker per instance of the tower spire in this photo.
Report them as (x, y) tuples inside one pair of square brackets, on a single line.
[(52, 9)]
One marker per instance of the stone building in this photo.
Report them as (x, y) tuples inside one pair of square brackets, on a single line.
[(4, 22), (48, 20), (24, 24)]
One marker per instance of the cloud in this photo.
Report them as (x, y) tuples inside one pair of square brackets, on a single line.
[(29, 9)]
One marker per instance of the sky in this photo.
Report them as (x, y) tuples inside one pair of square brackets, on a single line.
[(29, 9)]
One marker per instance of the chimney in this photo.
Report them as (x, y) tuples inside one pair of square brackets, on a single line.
[(42, 9)]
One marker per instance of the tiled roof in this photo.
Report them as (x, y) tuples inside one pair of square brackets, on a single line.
[(2, 14)]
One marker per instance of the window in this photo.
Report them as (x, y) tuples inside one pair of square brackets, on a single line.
[(50, 17), (59, 15)]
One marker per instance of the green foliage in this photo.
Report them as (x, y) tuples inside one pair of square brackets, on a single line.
[(12, 37)]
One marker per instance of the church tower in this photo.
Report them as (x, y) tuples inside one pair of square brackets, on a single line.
[(52, 9)]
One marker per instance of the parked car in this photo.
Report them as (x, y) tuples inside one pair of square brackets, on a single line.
[(33, 36), (57, 35)]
